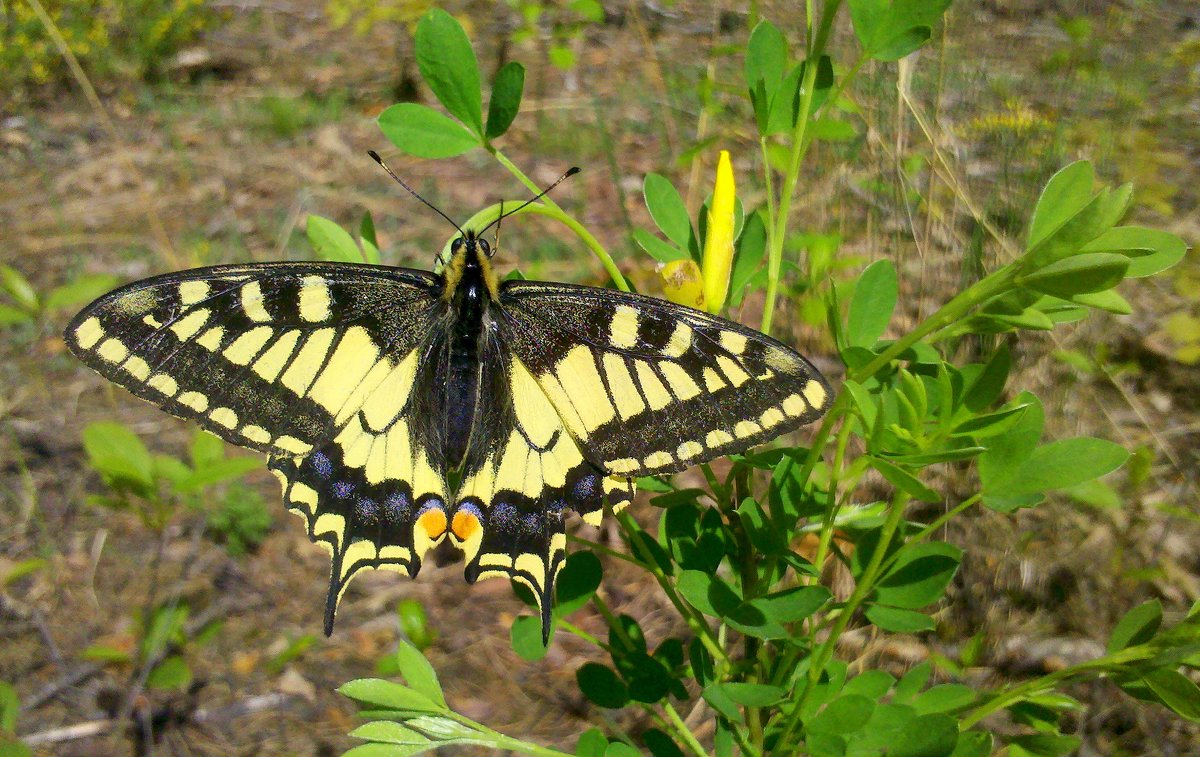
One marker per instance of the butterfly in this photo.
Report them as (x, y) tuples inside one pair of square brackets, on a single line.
[(400, 408)]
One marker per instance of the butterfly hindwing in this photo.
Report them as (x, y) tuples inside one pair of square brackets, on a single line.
[(524, 473), (646, 386)]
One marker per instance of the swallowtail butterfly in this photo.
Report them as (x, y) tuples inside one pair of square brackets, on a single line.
[(372, 388)]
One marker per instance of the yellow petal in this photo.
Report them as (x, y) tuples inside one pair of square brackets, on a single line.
[(718, 242), (682, 283)]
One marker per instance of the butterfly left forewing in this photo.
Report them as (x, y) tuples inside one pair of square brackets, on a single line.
[(274, 357), (646, 386)]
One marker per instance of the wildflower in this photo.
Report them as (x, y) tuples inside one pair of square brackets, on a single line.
[(718, 242), (682, 283)]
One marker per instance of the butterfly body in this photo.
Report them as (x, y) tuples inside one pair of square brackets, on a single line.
[(400, 408)]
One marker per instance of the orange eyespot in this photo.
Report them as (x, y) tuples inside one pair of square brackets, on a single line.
[(464, 525), (432, 522)]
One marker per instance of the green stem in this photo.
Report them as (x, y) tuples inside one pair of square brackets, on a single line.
[(862, 589), (685, 734), (550, 208), (786, 189), (570, 627), (506, 742), (596, 546), (1004, 698), (924, 533)]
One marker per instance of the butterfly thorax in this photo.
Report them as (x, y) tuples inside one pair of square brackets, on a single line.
[(469, 289)]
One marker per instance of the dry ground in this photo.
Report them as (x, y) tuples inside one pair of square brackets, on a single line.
[(209, 157)]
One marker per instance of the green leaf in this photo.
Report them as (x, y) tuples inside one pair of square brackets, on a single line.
[(18, 288), (79, 291), (419, 673), (118, 454), (792, 605), (766, 57), (18, 570), (1063, 463), (719, 700), (384, 750), (872, 304), (1176, 691), (10, 315), (1066, 193), (660, 744), (973, 744), (919, 575), (1009, 450), (945, 697), (1157, 250), (527, 641), (897, 620), (388, 695), (843, 716), (1078, 230), (601, 685), (214, 473), (752, 694), (172, 673), (1043, 745), (925, 736), (621, 749), (577, 582), (663, 252), (10, 707), (505, 103), (205, 449), (421, 131), (911, 683), (592, 743), (751, 248), (448, 65), (989, 384), (870, 683), (889, 30), (366, 232), (1107, 300), (1137, 626), (388, 732), (1079, 274), (903, 480), (667, 209)]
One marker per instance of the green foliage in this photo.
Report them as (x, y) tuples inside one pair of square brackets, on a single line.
[(110, 38), (762, 631), (153, 486), (240, 520), (24, 305)]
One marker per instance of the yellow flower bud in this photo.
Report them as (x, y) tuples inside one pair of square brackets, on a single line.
[(682, 283), (718, 242)]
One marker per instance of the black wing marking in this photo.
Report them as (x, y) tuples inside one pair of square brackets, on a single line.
[(646, 386)]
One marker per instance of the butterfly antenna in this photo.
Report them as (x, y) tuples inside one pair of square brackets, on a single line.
[(570, 172), (375, 156)]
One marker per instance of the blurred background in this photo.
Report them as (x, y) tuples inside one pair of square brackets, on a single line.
[(179, 133)]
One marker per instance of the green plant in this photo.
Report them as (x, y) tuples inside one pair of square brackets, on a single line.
[(763, 629), (25, 306), (153, 486), (107, 37), (10, 707), (241, 521)]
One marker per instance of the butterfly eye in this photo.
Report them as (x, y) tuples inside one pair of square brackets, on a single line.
[(456, 245), (485, 248)]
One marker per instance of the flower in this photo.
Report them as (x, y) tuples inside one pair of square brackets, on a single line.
[(682, 283), (718, 242)]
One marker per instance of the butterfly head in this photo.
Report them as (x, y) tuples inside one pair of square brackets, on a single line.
[(470, 266)]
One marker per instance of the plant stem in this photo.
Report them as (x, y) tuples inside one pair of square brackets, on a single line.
[(685, 734), (862, 589), (549, 207), (944, 518), (596, 546), (695, 621)]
